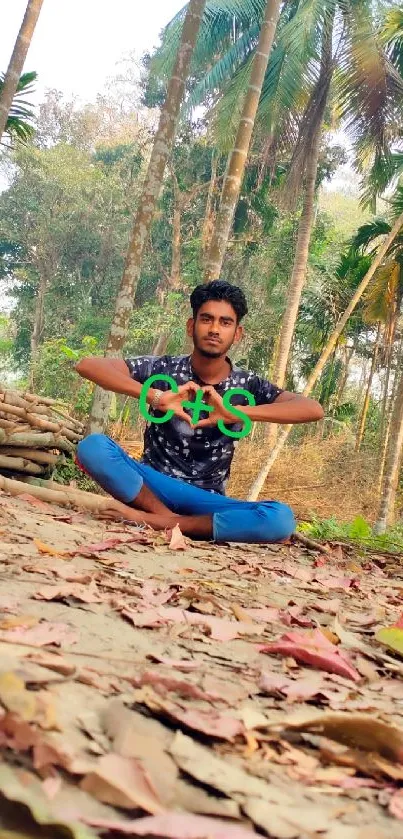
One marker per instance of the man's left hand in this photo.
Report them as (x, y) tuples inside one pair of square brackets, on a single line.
[(220, 411)]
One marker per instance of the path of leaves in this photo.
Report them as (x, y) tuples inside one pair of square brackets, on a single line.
[(150, 686)]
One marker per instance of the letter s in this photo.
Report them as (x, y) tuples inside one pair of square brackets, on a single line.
[(237, 435)]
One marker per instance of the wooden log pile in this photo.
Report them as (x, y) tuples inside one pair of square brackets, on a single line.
[(35, 433)]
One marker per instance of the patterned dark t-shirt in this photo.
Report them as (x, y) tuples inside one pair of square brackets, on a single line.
[(199, 456)]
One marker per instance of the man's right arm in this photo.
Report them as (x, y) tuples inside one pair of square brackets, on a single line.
[(112, 374)]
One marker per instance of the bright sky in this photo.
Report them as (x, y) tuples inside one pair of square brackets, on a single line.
[(77, 43)]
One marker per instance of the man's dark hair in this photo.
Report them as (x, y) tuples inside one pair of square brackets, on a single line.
[(219, 290)]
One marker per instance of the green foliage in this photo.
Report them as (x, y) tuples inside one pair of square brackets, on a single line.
[(55, 375), (67, 473), (358, 532)]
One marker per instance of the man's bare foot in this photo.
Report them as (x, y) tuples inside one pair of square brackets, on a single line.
[(200, 527)]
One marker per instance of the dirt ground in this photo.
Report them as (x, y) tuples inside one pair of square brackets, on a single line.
[(138, 697)]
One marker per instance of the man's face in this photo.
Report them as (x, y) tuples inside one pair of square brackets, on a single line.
[(215, 329)]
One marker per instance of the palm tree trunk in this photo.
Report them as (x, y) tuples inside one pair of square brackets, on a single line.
[(17, 60), (364, 412), (307, 219), (385, 434), (393, 456), (237, 161), (163, 143), (172, 281), (208, 221), (316, 372)]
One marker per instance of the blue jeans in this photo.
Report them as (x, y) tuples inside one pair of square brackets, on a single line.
[(233, 520)]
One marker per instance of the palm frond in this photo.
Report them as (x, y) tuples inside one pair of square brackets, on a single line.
[(222, 20), (224, 70), (397, 202), (392, 36), (381, 294), (367, 235), (21, 115), (370, 90)]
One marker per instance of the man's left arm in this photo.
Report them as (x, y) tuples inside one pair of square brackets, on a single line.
[(287, 408)]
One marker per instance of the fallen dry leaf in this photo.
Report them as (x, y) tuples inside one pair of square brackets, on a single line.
[(177, 541), (16, 698), (314, 649), (41, 635), (182, 664), (84, 594), (396, 805), (43, 548), (358, 731), (123, 782), (220, 629), (392, 638), (177, 826)]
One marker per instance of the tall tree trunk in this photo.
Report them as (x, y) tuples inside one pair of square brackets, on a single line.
[(385, 431), (237, 161), (390, 334), (348, 354), (317, 108), (162, 148), (208, 221), (258, 484), (393, 457), (172, 281), (17, 60), (37, 326), (364, 412)]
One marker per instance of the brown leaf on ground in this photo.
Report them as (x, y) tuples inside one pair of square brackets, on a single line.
[(43, 548), (315, 649), (84, 594), (41, 635), (209, 722), (177, 541), (220, 629), (178, 826), (358, 731), (19, 620), (122, 782), (16, 698), (16, 733), (396, 805)]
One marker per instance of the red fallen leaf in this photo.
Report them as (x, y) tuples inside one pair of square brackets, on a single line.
[(220, 629), (176, 826), (122, 782), (151, 677), (108, 544), (274, 682), (314, 648), (84, 594), (399, 623), (177, 542), (293, 615), (333, 581), (208, 722), (19, 735), (330, 607), (43, 634), (396, 804), (306, 575), (178, 664), (36, 502)]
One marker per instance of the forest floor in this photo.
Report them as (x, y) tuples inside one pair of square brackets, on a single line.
[(138, 697)]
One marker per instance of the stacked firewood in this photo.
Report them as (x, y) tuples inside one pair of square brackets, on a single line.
[(35, 433)]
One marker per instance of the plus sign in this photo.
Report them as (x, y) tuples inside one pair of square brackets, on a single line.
[(197, 407)]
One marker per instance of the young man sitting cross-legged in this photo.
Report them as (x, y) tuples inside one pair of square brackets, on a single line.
[(186, 463)]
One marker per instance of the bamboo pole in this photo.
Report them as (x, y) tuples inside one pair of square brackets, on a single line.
[(20, 464), (63, 497)]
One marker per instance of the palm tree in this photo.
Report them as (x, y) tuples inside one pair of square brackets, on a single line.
[(14, 70), (393, 459), (162, 148), (238, 158), (386, 245), (19, 121)]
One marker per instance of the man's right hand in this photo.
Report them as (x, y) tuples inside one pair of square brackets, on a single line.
[(171, 401)]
